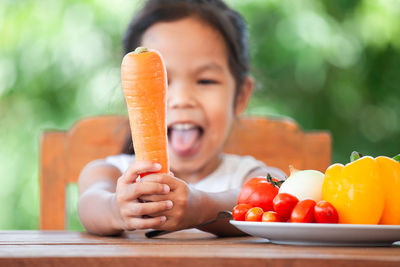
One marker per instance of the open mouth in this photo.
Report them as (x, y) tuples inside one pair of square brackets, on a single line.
[(184, 138)]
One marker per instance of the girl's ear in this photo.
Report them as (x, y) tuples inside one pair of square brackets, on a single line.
[(244, 96)]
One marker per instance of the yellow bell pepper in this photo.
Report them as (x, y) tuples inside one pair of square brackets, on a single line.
[(389, 171), (365, 191), (355, 191)]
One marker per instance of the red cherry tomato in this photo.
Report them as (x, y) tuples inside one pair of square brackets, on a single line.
[(272, 216), (258, 192), (325, 212), (239, 211), (254, 214), (284, 203), (303, 212)]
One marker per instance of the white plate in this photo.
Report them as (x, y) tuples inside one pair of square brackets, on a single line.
[(322, 234)]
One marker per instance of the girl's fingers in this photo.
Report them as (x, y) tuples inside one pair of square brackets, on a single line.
[(154, 198), (136, 190), (144, 223), (135, 209), (163, 179), (138, 167)]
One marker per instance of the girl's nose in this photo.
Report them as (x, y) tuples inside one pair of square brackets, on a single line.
[(180, 96)]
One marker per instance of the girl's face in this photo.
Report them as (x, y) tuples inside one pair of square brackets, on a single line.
[(201, 92)]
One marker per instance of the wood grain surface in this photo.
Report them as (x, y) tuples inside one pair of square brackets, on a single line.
[(184, 248)]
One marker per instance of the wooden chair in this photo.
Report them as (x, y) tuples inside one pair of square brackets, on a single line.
[(278, 143)]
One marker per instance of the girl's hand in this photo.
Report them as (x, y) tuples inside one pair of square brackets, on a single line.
[(186, 211), (128, 192)]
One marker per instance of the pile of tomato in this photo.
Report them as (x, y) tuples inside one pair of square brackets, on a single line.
[(260, 201)]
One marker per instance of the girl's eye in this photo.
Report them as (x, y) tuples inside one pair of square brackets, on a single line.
[(206, 81)]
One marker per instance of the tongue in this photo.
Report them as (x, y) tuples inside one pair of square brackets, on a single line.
[(183, 140)]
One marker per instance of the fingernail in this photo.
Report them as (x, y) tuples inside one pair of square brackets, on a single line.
[(157, 165), (166, 188), (163, 218), (169, 204)]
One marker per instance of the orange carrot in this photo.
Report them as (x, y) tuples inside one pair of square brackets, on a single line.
[(144, 82)]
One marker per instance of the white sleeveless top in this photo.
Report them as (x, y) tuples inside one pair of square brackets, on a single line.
[(229, 174)]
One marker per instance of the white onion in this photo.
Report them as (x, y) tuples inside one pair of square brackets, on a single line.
[(304, 184)]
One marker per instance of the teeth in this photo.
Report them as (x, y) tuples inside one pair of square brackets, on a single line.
[(183, 126)]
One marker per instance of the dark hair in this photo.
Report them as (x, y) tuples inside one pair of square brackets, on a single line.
[(215, 13)]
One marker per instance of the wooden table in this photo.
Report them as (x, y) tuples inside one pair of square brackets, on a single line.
[(185, 248)]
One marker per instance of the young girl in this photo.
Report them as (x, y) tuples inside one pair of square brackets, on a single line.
[(203, 43)]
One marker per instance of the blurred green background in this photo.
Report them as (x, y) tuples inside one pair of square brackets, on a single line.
[(331, 65)]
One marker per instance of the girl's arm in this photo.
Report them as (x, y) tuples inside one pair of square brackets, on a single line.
[(226, 201), (108, 202), (97, 207), (214, 203)]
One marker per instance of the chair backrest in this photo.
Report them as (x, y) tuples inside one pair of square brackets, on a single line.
[(278, 143)]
